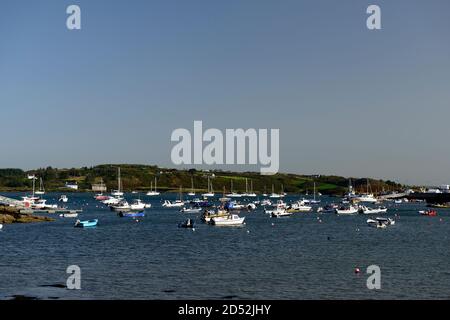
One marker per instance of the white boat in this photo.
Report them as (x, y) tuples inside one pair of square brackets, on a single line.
[(346, 210), (367, 198), (192, 193), (251, 206), (153, 192), (122, 206), (280, 212), (299, 206), (170, 204), (41, 190), (118, 192), (229, 220), (367, 210), (112, 201), (41, 204), (210, 192), (248, 193), (190, 210), (380, 222), (266, 202), (63, 198), (274, 195), (138, 205), (1, 226), (69, 215)]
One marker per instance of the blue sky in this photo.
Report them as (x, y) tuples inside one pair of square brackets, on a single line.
[(347, 100)]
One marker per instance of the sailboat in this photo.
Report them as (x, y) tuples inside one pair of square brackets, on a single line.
[(153, 192), (233, 194), (192, 193), (368, 197), (314, 201), (274, 195), (210, 192), (118, 192), (251, 193), (41, 190)]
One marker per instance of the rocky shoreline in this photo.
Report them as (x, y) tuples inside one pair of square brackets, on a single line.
[(13, 215)]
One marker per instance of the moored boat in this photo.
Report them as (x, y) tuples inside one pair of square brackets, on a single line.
[(229, 220), (86, 223)]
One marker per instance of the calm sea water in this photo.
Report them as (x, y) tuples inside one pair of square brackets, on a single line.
[(291, 258)]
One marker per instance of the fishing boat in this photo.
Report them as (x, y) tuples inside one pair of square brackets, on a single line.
[(367, 210), (132, 214), (122, 206), (118, 192), (298, 206), (63, 198), (280, 213), (189, 223), (229, 220), (69, 215), (86, 223), (41, 190), (208, 215), (346, 210), (153, 192), (429, 213)]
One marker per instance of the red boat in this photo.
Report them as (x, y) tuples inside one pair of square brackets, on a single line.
[(430, 213)]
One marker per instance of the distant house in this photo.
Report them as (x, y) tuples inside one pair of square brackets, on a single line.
[(99, 187), (72, 185)]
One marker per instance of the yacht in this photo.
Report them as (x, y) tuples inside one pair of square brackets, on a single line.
[(41, 190), (210, 192), (192, 193), (153, 192), (118, 192), (138, 205), (233, 194)]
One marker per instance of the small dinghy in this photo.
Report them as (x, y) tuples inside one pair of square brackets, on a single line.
[(63, 199), (429, 213), (189, 223), (132, 214), (69, 215), (86, 224)]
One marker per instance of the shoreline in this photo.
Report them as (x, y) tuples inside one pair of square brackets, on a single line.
[(10, 215)]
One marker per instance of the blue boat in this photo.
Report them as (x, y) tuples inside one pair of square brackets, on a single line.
[(132, 214), (87, 223)]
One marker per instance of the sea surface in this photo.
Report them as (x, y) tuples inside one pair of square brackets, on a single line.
[(306, 256)]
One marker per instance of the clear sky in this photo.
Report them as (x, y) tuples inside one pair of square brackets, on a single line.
[(347, 100)]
